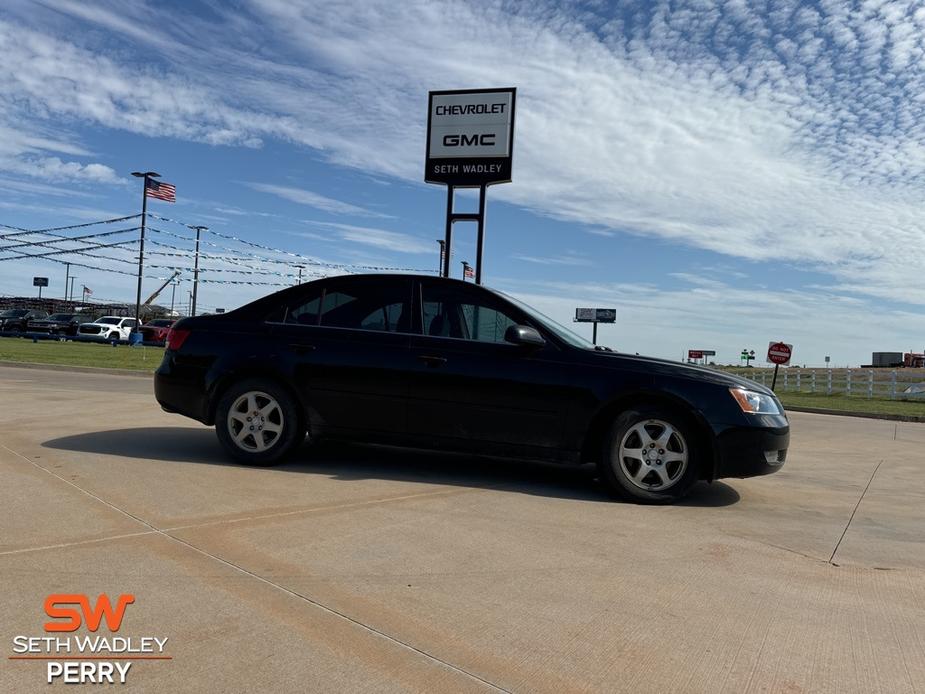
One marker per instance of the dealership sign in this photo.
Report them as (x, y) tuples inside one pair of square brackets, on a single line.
[(470, 136), (39, 281), (595, 315)]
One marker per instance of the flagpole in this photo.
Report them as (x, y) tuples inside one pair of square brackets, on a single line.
[(141, 249)]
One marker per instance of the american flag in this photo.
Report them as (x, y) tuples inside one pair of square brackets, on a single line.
[(160, 190), (87, 290), (468, 271)]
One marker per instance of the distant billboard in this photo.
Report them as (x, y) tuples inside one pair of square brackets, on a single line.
[(595, 315)]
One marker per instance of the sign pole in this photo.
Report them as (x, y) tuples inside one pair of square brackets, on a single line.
[(480, 239), (448, 240), (594, 333), (774, 380)]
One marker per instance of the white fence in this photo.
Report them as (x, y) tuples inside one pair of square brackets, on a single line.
[(888, 384)]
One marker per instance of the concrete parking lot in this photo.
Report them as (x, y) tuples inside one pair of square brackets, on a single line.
[(371, 570)]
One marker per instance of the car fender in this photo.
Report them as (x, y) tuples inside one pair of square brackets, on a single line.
[(223, 373), (612, 407)]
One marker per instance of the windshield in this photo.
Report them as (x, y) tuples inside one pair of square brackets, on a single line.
[(13, 313), (60, 316), (549, 324), (109, 321)]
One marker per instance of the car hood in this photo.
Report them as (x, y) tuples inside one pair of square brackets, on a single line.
[(673, 368)]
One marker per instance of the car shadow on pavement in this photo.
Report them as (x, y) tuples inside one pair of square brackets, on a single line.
[(354, 462)]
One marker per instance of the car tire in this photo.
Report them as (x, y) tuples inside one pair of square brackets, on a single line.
[(650, 455), (258, 422)]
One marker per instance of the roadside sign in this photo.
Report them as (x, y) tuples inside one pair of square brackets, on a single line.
[(779, 353), (219, 310), (828, 359), (39, 281), (470, 136), (595, 315), (708, 352), (694, 354)]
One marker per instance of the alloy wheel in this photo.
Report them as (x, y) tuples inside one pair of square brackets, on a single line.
[(255, 421), (653, 455)]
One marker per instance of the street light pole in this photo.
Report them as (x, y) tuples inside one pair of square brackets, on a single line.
[(300, 272), (199, 230), (70, 293), (141, 249), (67, 275), (173, 294), (442, 243)]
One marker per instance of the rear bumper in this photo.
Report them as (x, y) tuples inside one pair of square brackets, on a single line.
[(752, 451), (180, 390)]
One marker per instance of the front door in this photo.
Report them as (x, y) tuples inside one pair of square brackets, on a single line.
[(470, 389)]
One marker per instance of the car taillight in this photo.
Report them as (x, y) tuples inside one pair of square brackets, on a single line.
[(176, 338)]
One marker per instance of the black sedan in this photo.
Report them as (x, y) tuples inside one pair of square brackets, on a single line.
[(442, 364), (58, 324)]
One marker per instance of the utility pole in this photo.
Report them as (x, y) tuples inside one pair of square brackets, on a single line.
[(146, 175), (67, 275), (300, 272), (173, 293), (70, 292), (199, 230)]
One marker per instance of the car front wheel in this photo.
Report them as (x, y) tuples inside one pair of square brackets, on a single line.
[(650, 456), (258, 423)]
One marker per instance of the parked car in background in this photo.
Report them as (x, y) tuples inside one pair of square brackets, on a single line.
[(154, 332), (107, 328), (437, 363), (16, 319), (64, 324)]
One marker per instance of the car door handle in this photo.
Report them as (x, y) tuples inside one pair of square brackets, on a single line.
[(302, 349), (431, 360)]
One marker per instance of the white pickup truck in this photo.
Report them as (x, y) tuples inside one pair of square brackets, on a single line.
[(107, 328)]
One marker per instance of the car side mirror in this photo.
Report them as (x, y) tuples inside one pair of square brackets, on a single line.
[(523, 335)]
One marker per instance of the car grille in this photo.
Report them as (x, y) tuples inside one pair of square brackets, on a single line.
[(90, 329)]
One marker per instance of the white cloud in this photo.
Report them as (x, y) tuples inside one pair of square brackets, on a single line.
[(380, 238), (312, 199), (792, 134), (569, 260)]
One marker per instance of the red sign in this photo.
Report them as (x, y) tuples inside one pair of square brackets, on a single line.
[(694, 354), (779, 352)]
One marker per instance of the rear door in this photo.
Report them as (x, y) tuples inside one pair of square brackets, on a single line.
[(348, 344), (471, 389)]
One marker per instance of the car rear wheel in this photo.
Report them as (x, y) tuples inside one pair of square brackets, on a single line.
[(258, 423), (650, 455)]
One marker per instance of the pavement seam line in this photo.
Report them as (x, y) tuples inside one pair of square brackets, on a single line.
[(288, 591), (318, 509), (856, 506), (76, 543), (342, 615)]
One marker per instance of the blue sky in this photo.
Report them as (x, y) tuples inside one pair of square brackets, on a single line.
[(723, 173)]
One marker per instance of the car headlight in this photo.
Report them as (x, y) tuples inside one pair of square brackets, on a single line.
[(755, 403)]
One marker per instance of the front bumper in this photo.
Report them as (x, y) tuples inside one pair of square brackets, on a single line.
[(749, 451)]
